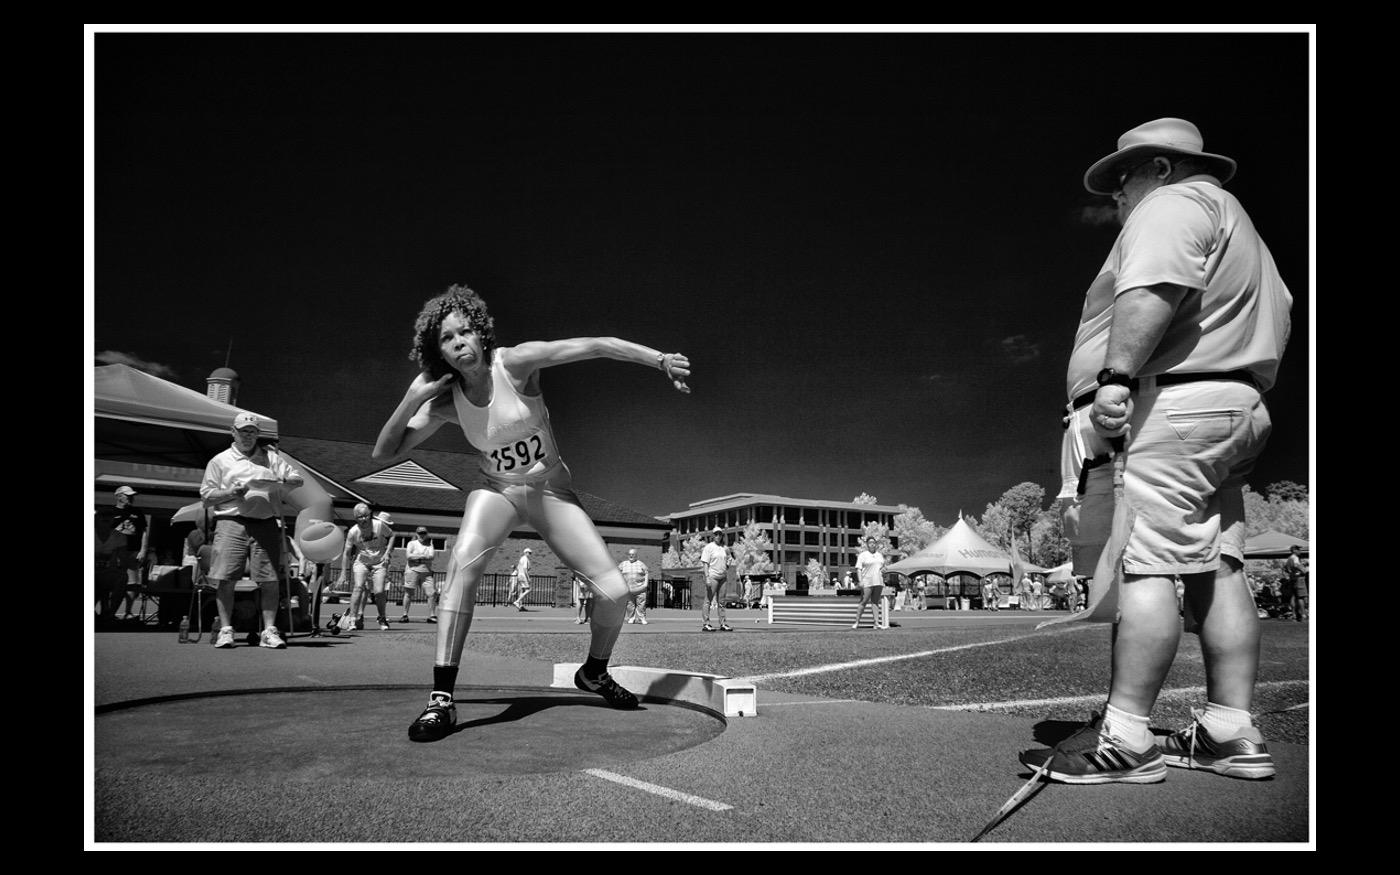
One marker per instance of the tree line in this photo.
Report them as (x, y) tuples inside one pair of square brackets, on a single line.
[(1019, 517)]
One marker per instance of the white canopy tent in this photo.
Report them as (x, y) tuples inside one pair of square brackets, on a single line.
[(156, 435), (1272, 545), (960, 551)]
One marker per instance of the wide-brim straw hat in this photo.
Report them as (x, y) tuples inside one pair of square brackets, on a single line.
[(1172, 136)]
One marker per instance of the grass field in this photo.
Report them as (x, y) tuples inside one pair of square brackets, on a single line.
[(1059, 674)]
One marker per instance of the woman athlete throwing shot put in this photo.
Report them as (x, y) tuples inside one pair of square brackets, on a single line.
[(494, 394)]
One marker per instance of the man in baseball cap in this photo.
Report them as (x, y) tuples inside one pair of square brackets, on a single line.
[(715, 559), (134, 527), (246, 420), (246, 532), (418, 571)]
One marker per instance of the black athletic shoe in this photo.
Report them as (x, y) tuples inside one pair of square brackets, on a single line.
[(707, 628), (725, 627), (436, 721), (1092, 756), (606, 687), (359, 624)]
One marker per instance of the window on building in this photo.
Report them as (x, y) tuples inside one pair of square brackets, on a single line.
[(792, 537), (792, 557), (812, 539), (763, 513)]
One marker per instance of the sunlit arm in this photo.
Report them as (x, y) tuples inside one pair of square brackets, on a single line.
[(524, 361), (1140, 319)]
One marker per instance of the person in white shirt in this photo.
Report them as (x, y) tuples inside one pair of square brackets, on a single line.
[(242, 489), (368, 542), (635, 572), (872, 582), (418, 571), (715, 559), (520, 582)]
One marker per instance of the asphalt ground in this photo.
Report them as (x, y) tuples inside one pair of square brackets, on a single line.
[(904, 737)]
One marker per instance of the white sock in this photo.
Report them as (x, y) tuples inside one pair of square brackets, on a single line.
[(1131, 729), (1225, 723)]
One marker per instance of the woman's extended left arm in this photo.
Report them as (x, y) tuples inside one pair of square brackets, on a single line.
[(524, 361)]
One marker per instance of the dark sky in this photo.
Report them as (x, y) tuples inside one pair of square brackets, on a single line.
[(873, 247)]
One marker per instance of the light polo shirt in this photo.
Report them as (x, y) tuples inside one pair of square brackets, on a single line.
[(1236, 318), (230, 467)]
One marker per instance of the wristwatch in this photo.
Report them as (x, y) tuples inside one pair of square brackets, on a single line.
[(1110, 377)]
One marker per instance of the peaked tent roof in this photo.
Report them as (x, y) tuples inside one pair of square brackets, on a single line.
[(960, 550), (1271, 545), (122, 392), (143, 419)]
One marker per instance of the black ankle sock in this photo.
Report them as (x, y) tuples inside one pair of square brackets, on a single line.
[(444, 678), (594, 667)]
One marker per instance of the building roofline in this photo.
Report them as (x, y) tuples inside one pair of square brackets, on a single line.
[(743, 499)]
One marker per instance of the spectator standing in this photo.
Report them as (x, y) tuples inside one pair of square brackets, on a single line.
[(418, 572), (635, 572), (242, 487), (1186, 322), (869, 565), (1026, 593), (1295, 572), (715, 560), (134, 527), (520, 581), (583, 598), (991, 595)]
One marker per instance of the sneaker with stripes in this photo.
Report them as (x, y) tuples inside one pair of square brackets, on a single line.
[(1244, 756), (1092, 756)]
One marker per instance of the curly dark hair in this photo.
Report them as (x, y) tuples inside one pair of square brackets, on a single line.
[(462, 301)]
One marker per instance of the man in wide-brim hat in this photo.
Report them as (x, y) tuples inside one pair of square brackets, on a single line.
[(1180, 335)]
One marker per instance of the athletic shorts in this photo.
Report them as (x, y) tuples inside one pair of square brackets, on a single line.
[(873, 593), (375, 573), (244, 542), (411, 577), (1190, 447)]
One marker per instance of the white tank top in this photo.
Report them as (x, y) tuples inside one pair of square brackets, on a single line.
[(512, 432)]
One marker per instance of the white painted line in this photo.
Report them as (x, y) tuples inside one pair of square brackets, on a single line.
[(677, 795), (1098, 697), (311, 679), (822, 702), (880, 660)]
